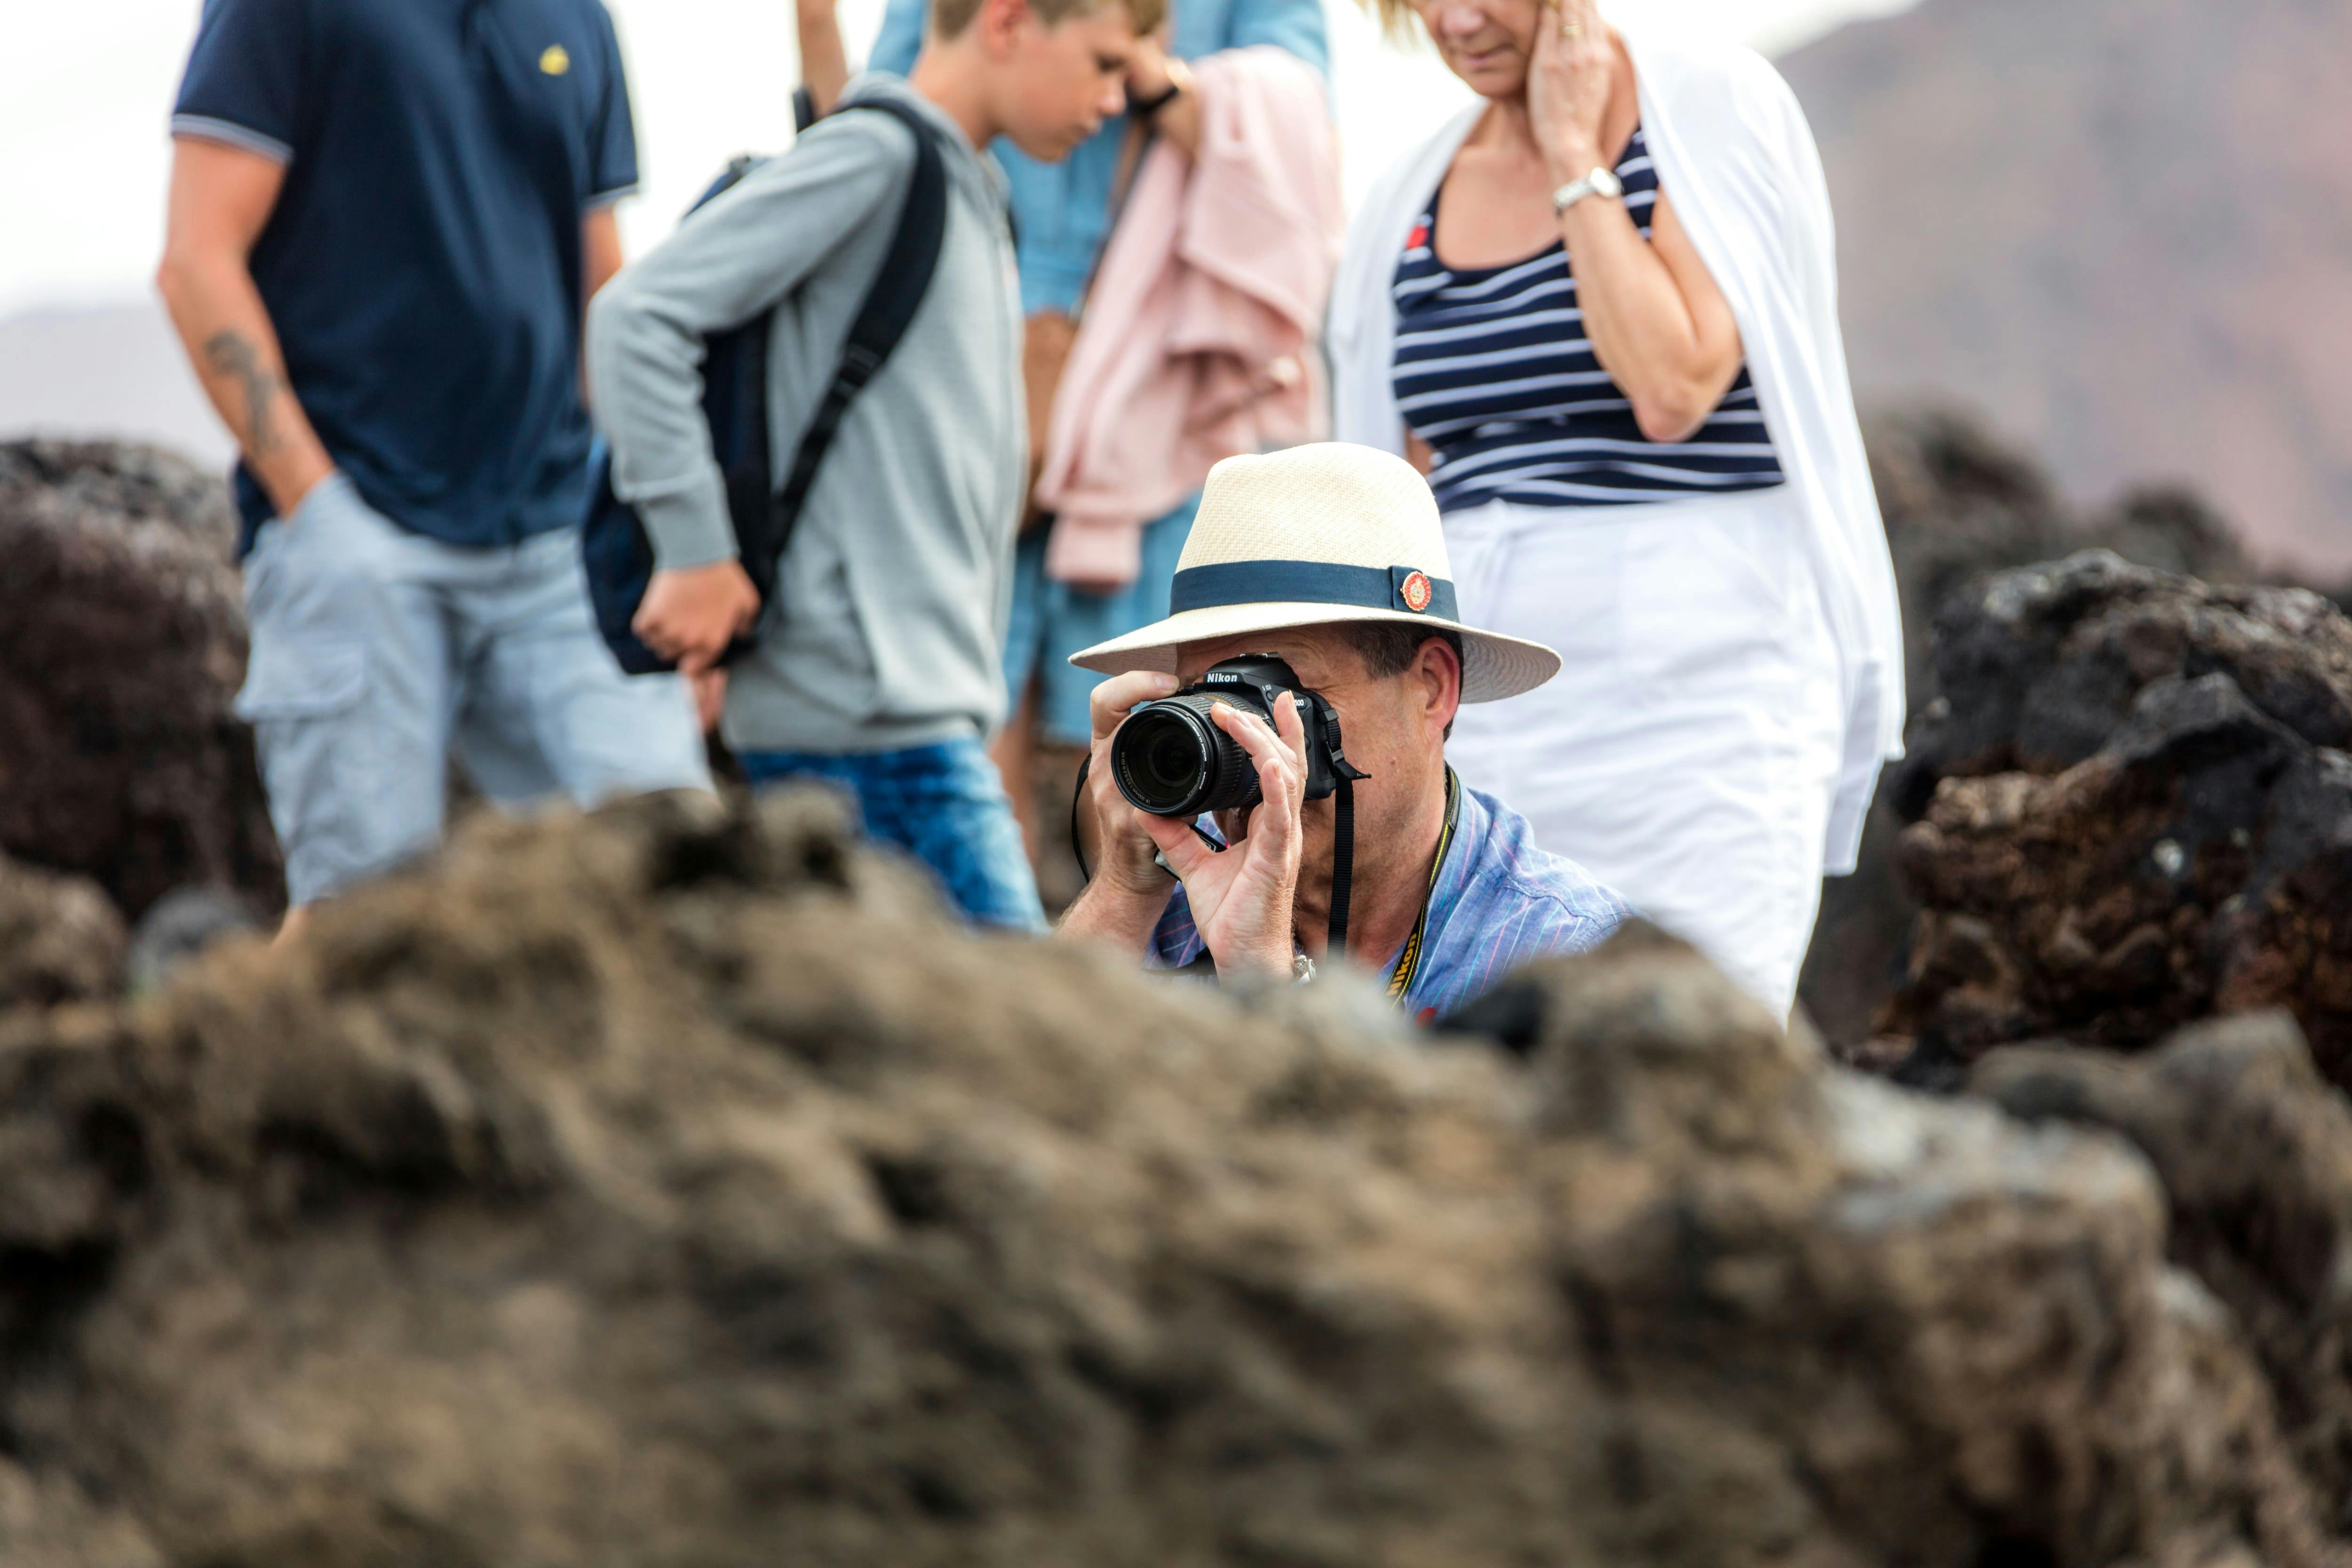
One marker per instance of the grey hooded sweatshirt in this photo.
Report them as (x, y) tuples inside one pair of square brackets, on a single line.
[(888, 624)]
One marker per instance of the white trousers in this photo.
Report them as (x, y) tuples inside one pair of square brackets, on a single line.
[(1688, 753)]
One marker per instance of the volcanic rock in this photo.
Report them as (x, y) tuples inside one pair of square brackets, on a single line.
[(121, 653), (1959, 505), (176, 928), (2256, 1153), (2172, 529), (2130, 811), (677, 1185), (60, 940), (49, 1522)]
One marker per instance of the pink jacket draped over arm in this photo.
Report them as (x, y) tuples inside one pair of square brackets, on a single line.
[(1197, 340)]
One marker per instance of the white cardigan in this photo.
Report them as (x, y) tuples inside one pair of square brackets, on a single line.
[(1734, 153)]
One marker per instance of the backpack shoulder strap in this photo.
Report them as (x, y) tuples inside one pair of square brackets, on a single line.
[(891, 304)]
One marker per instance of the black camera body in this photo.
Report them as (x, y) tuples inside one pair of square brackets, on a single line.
[(1169, 759)]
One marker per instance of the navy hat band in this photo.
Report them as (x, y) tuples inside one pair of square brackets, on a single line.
[(1228, 583)]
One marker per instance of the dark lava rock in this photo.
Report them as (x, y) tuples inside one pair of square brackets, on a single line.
[(674, 1186), (1961, 505), (2131, 811), (121, 652), (2256, 1153), (2173, 530), (60, 940)]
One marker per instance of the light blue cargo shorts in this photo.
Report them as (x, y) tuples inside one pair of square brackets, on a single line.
[(378, 654)]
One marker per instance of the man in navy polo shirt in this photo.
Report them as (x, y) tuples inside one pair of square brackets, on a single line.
[(386, 218)]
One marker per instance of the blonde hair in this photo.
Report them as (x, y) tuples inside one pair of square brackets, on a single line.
[(950, 18), (1399, 23)]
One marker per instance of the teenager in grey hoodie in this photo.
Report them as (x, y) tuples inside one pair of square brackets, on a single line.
[(877, 665)]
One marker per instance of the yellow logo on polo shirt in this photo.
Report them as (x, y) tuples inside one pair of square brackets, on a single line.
[(556, 61)]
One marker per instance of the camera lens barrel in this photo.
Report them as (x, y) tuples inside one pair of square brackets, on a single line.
[(1169, 759)]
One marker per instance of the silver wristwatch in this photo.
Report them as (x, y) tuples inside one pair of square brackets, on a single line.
[(1600, 183)]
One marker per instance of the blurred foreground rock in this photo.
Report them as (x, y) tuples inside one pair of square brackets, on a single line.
[(60, 940), (677, 1187), (2256, 1153), (2131, 811), (121, 650)]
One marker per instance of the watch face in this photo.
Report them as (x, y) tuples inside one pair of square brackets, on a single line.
[(1606, 181)]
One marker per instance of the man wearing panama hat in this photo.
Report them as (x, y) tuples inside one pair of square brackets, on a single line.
[(1331, 559)]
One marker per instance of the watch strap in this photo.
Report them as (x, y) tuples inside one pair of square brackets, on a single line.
[(1600, 183)]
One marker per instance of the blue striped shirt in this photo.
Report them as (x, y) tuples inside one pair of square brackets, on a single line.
[(1498, 902), (1493, 370)]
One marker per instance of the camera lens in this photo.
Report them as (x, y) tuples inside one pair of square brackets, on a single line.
[(1161, 760), (1170, 760)]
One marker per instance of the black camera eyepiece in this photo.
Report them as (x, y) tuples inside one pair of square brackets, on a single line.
[(1169, 759)]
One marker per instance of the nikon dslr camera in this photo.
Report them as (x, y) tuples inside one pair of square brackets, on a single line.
[(1169, 759)]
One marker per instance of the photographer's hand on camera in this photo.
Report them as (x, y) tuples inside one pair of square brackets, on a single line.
[(1128, 892), (1126, 855), (1241, 899)]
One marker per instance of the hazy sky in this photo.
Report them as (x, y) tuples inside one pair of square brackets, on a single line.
[(85, 90)]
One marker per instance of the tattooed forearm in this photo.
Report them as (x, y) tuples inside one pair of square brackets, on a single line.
[(232, 354)]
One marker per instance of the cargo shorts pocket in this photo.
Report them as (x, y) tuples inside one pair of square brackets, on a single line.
[(302, 677), (301, 695)]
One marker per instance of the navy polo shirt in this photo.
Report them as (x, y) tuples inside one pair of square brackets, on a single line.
[(423, 264)]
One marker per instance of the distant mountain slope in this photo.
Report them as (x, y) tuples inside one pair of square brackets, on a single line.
[(2122, 228), (111, 371)]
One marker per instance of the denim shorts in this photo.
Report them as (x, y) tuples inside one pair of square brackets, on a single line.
[(1052, 620), (942, 804), (379, 654)]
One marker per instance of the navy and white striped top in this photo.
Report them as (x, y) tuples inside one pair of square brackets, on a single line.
[(1493, 370)]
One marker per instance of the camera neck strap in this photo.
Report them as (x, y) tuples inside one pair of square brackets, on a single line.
[(1408, 962), (1343, 867)]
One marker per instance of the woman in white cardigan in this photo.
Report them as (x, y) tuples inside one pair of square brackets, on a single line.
[(1600, 310)]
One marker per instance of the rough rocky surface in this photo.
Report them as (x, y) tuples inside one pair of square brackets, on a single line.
[(2130, 810), (1960, 504), (178, 927), (60, 940), (2255, 1154), (677, 1187), (121, 651)]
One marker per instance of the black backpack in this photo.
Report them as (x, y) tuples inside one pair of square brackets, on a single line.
[(613, 541)]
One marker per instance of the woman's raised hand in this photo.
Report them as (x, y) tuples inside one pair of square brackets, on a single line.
[(1569, 72)]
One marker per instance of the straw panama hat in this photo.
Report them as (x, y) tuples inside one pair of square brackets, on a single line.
[(1311, 536)]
